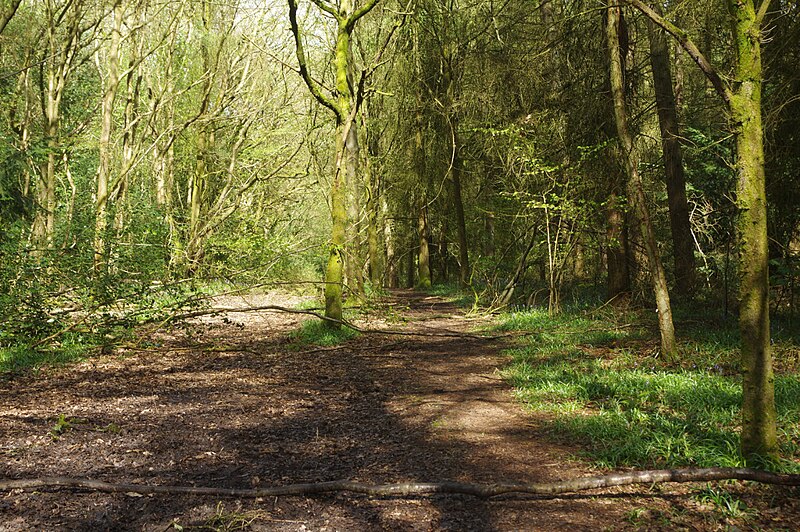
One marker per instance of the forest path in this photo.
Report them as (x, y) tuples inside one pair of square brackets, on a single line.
[(232, 401)]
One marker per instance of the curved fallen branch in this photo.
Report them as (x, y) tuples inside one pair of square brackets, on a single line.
[(424, 488)]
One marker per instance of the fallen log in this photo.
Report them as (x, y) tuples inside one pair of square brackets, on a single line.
[(483, 491)]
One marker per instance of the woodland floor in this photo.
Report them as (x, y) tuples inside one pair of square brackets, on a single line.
[(233, 401)]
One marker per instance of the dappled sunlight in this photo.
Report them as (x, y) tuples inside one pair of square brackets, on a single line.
[(630, 409)]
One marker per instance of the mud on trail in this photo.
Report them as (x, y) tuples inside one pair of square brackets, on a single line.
[(232, 401)]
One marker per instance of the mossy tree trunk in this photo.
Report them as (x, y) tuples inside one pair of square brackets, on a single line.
[(743, 98), (758, 409), (343, 107)]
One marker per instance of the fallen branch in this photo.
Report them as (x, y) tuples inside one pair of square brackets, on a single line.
[(424, 488), (278, 308)]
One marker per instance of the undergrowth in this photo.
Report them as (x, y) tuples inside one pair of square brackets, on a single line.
[(17, 358), (317, 332), (456, 295), (600, 379)]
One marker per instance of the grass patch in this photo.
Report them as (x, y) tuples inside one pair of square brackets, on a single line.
[(605, 389), (19, 358), (317, 332), (453, 294)]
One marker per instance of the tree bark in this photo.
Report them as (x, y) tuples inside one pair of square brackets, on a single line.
[(7, 13), (682, 240), (373, 189), (423, 261), (758, 408), (392, 273), (196, 188), (668, 345)]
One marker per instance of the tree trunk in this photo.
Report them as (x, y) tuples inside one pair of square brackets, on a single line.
[(392, 275), (372, 187), (423, 251), (130, 140), (376, 264), (104, 169), (334, 272), (758, 408), (683, 242), (619, 280), (458, 203), (665, 325), (444, 251), (196, 188), (343, 108), (423, 262), (355, 262), (410, 256)]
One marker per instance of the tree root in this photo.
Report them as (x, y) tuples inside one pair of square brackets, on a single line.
[(483, 491)]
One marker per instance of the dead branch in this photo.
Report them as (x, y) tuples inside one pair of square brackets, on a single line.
[(278, 308), (482, 491)]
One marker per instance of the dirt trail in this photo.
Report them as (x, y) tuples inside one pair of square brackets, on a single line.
[(230, 401)]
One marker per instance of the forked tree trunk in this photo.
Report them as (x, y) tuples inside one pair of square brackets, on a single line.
[(666, 328), (346, 17)]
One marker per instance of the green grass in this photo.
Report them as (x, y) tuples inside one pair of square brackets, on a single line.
[(454, 294), (20, 357), (605, 389), (317, 332)]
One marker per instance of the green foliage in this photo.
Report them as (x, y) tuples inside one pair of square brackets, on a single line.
[(727, 504), (62, 425), (19, 357), (227, 521), (13, 204), (454, 294), (318, 332), (605, 390)]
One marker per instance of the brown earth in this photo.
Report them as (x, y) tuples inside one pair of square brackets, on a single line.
[(232, 401)]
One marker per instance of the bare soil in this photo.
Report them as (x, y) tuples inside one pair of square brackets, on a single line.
[(233, 401)]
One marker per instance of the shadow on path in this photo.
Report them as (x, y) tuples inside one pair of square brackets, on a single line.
[(253, 410)]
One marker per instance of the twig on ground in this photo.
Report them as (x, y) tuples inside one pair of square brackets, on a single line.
[(423, 488)]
